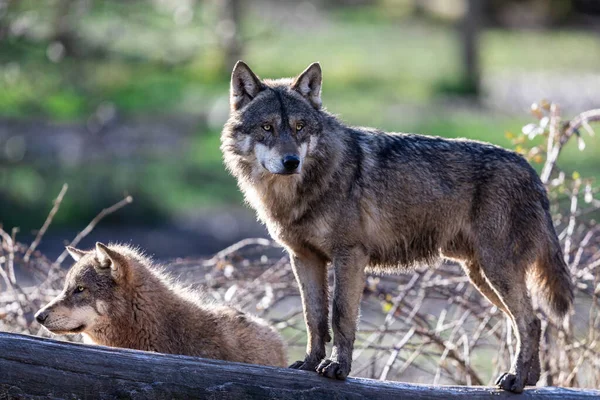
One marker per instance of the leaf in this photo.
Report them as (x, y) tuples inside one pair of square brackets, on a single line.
[(527, 129), (545, 104), (588, 128), (580, 143), (588, 197), (536, 112), (532, 130), (520, 140), (230, 293), (519, 149), (386, 307)]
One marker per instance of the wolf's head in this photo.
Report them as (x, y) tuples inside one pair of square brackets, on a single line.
[(89, 294), (274, 125)]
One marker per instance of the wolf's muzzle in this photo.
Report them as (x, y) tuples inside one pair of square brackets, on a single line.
[(290, 163)]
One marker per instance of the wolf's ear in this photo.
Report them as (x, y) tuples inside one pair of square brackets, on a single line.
[(76, 254), (109, 258), (244, 86), (308, 84)]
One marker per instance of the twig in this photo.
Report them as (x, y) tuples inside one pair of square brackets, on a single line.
[(86, 231), (10, 270), (395, 353), (238, 246), (42, 231)]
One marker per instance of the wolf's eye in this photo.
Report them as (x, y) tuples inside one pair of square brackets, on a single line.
[(267, 127), (79, 289), (299, 126)]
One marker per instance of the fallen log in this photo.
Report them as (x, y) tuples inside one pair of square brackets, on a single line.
[(33, 367)]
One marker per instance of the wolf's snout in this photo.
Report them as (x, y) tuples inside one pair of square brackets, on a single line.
[(290, 162), (41, 316)]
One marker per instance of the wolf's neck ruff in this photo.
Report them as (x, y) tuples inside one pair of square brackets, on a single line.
[(135, 323)]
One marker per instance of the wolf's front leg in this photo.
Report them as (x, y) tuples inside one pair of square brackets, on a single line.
[(311, 274), (349, 283)]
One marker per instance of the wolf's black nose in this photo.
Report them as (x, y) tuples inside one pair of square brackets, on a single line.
[(41, 316), (290, 162)]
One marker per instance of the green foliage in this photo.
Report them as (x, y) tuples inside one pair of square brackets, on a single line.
[(381, 69), (64, 106)]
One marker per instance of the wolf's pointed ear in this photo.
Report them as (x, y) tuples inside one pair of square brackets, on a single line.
[(244, 86), (76, 254), (109, 258), (308, 84)]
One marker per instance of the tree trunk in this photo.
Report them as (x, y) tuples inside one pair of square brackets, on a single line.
[(470, 30)]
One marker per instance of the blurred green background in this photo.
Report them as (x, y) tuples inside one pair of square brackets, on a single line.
[(129, 96)]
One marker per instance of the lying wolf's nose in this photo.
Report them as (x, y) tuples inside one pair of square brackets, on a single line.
[(41, 316), (290, 162)]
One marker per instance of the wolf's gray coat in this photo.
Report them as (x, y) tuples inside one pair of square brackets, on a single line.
[(361, 198)]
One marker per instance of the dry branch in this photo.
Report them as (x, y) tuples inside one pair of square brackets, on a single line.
[(42, 231)]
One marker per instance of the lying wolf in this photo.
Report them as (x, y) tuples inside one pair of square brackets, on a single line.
[(115, 296), (359, 198)]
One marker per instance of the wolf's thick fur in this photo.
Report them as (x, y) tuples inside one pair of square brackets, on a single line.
[(115, 296), (360, 198)]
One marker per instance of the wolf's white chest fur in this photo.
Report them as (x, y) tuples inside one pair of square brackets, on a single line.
[(276, 206)]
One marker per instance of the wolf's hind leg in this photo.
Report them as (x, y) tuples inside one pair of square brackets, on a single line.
[(311, 275), (475, 274), (508, 281), (535, 367)]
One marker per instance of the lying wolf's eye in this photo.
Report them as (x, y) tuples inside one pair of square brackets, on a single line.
[(299, 126), (79, 289), (266, 127)]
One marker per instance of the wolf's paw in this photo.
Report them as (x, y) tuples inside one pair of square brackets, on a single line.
[(533, 377), (334, 369), (304, 365), (510, 382), (534, 372)]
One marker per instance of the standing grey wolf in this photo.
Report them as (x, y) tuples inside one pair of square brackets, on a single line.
[(115, 296), (359, 198)]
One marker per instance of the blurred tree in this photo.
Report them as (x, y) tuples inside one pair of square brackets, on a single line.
[(470, 30), (419, 9), (6, 7), (64, 28), (228, 31)]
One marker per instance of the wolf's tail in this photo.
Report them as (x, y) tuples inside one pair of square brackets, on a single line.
[(551, 277)]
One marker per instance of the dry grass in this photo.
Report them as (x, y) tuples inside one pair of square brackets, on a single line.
[(428, 326)]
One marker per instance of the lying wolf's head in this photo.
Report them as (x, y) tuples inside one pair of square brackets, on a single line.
[(88, 294), (274, 123)]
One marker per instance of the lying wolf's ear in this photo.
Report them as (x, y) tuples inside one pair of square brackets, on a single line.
[(109, 258), (308, 84), (75, 253), (244, 86)]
